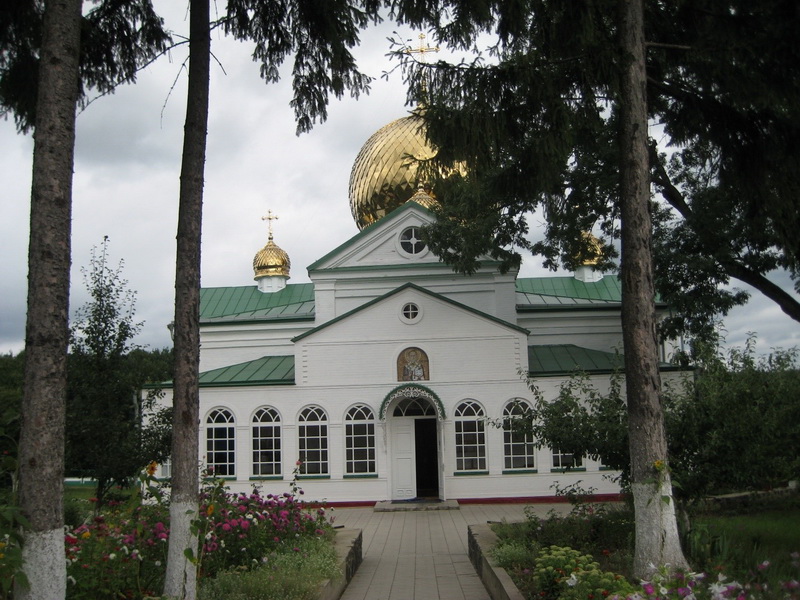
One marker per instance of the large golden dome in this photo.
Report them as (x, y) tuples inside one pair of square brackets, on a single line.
[(385, 173)]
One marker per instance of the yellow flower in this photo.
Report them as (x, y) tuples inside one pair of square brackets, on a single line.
[(210, 510), (659, 465), (86, 535), (151, 468)]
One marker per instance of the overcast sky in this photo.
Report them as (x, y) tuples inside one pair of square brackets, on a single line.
[(126, 184)]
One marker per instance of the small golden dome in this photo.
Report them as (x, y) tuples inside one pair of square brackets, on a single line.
[(385, 173), (424, 198), (592, 249), (271, 260)]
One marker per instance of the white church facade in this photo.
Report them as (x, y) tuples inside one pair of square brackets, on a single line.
[(388, 376)]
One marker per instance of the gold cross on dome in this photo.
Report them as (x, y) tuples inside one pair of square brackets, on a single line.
[(269, 217), (423, 49)]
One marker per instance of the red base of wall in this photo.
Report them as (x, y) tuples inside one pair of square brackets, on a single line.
[(522, 500)]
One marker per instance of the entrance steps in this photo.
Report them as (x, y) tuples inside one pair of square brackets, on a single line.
[(415, 504)]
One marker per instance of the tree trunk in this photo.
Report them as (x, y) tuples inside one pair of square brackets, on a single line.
[(181, 576), (657, 541), (41, 445)]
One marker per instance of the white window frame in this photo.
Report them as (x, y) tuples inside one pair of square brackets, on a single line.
[(221, 443), (266, 441), (360, 450), (470, 442), (312, 438), (519, 449), (563, 461)]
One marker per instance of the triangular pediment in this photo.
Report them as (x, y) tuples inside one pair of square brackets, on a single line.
[(393, 242), (410, 291)]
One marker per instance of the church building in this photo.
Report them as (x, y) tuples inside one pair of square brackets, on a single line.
[(389, 376)]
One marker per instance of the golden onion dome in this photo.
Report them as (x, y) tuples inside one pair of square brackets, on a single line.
[(385, 174), (271, 261), (592, 249)]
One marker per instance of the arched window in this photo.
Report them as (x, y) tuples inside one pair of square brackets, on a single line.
[(470, 437), (312, 430), (266, 443), (359, 433), (519, 450), (221, 443)]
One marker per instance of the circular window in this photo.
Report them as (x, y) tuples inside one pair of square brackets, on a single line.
[(410, 312), (411, 241)]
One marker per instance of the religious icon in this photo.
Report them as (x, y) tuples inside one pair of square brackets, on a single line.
[(412, 365)]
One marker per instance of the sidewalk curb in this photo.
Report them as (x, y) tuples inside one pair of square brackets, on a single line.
[(481, 539), (348, 545)]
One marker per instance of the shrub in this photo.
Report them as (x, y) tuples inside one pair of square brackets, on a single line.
[(564, 573), (239, 530), (294, 574), (121, 552)]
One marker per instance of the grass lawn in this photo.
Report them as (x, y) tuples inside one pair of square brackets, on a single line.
[(747, 540)]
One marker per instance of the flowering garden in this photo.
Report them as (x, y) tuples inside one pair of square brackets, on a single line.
[(120, 551), (587, 556)]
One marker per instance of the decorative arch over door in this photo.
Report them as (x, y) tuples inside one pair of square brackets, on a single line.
[(412, 391)]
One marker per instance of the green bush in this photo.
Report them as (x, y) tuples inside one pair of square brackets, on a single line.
[(289, 575), (562, 573), (515, 554)]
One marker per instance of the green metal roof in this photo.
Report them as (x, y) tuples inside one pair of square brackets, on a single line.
[(268, 370), (555, 293), (295, 301), (570, 290), (560, 359)]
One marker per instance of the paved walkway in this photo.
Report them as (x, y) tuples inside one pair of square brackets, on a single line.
[(422, 555)]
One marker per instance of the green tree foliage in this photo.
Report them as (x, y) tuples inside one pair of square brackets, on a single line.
[(11, 378), (736, 427), (111, 431), (536, 123), (319, 35), (731, 423), (116, 39)]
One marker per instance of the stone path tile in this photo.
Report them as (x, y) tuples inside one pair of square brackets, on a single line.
[(421, 555)]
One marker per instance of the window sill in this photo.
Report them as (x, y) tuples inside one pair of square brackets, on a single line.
[(313, 477), (519, 471), (468, 473), (266, 478), (361, 476), (570, 470)]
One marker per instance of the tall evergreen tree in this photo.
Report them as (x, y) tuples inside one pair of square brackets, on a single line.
[(657, 540), (320, 36), (42, 59), (181, 574), (41, 447), (518, 125)]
